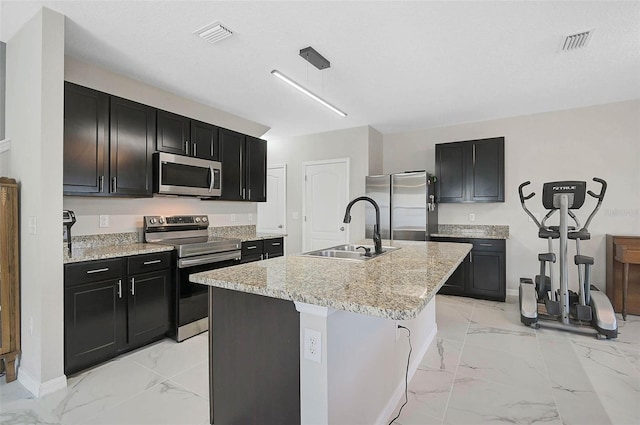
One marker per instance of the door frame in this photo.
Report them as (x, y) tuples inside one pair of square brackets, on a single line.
[(306, 164), (284, 168)]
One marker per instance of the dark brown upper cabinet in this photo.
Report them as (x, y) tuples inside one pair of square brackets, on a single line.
[(131, 145), (471, 171), (86, 141), (108, 142), (184, 136), (244, 167)]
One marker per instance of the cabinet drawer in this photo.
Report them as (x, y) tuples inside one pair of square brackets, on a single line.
[(488, 244), (92, 271), (252, 248), (148, 262), (274, 247)]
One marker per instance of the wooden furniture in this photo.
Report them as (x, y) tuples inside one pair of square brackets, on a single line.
[(244, 167), (9, 276), (482, 274), (470, 171), (115, 305), (184, 136), (623, 273)]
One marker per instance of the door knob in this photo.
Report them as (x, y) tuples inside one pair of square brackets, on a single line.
[(280, 226), (342, 229)]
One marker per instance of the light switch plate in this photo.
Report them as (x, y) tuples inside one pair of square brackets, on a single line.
[(104, 221)]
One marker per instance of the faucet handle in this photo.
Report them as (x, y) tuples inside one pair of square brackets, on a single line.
[(367, 251)]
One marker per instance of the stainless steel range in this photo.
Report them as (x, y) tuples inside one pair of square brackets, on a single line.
[(195, 252)]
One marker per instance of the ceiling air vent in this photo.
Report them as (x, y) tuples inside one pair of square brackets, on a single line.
[(577, 41), (214, 32)]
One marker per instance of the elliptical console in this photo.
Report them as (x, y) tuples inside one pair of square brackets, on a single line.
[(568, 309)]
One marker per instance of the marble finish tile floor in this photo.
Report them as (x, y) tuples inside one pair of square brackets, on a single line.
[(483, 368), (487, 368)]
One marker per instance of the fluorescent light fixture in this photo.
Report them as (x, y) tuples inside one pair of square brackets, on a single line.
[(307, 92)]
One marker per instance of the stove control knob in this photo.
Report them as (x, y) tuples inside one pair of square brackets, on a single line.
[(161, 220), (204, 219), (197, 219), (152, 221)]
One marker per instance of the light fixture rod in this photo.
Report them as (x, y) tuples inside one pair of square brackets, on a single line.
[(307, 92)]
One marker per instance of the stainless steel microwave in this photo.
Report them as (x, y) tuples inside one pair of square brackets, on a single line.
[(185, 175)]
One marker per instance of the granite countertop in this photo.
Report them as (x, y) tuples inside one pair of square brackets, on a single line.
[(471, 231), (112, 251), (397, 285), (244, 233)]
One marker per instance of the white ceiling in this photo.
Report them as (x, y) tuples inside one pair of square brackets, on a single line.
[(395, 65)]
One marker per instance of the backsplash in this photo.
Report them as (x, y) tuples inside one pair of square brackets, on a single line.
[(105, 239), (241, 232)]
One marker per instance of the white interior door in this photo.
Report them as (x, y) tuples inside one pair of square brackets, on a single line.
[(272, 214), (325, 197)]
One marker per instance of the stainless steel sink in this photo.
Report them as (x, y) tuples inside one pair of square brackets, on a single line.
[(349, 252)]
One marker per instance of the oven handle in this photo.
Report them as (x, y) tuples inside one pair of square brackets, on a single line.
[(207, 259)]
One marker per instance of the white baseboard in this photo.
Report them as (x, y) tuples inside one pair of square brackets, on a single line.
[(512, 292), (413, 367), (40, 389)]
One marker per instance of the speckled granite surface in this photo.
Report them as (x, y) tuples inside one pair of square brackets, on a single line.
[(112, 251), (397, 285), (244, 233), (472, 231)]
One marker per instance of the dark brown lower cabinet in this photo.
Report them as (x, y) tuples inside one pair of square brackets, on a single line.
[(254, 359), (262, 249), (482, 274), (108, 310)]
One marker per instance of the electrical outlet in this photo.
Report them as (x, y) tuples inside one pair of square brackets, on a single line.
[(472, 217), (33, 225), (250, 218), (104, 221), (313, 345), (233, 218)]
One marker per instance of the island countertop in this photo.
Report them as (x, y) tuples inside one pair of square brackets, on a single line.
[(397, 285)]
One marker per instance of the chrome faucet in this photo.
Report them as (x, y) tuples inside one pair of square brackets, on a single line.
[(377, 242)]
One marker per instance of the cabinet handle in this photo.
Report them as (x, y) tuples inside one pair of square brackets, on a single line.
[(471, 257), (486, 244), (146, 263), (243, 194), (101, 184), (186, 147), (249, 193), (133, 286), (262, 256), (266, 255), (195, 151), (275, 244), (106, 269), (114, 184), (473, 150), (252, 247), (120, 288)]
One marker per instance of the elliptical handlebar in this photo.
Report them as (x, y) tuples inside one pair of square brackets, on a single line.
[(524, 207), (599, 197)]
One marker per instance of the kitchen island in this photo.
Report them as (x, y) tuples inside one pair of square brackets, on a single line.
[(303, 339)]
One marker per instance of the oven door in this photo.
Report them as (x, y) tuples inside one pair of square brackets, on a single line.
[(193, 301)]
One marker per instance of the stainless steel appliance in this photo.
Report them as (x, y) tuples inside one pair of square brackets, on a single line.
[(195, 251), (408, 210), (185, 175), (68, 220)]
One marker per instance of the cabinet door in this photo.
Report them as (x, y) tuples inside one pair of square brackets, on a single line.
[(86, 125), (173, 133), (486, 183), (95, 323), (204, 141), (256, 179), (233, 171), (487, 276), (274, 247), (252, 251), (457, 282), (450, 170), (149, 308), (131, 143)]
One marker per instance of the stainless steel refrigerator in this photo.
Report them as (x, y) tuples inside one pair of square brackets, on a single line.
[(407, 201)]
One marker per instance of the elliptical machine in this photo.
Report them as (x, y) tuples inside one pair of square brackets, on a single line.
[(569, 310)]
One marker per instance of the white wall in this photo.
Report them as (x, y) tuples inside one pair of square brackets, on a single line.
[(578, 144), (34, 120), (125, 215), (351, 143)]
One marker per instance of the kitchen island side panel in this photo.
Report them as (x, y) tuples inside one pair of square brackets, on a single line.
[(254, 359)]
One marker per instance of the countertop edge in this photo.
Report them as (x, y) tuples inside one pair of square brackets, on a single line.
[(117, 251)]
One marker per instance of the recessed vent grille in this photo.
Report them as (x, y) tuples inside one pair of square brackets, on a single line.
[(577, 41), (214, 32)]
